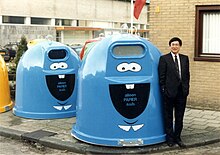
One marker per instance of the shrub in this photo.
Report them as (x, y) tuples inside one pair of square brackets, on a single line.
[(22, 48)]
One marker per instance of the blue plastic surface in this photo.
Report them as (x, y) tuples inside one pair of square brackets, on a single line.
[(46, 82), (119, 100)]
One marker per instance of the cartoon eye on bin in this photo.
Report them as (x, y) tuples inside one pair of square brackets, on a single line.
[(123, 67), (134, 67), (61, 65), (54, 66)]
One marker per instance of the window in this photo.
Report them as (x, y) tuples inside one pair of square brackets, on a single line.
[(66, 22), (207, 37), (81, 23), (13, 19), (40, 21), (58, 22)]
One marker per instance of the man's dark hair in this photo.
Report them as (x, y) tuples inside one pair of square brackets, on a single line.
[(175, 39)]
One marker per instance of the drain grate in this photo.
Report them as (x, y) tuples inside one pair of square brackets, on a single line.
[(36, 135)]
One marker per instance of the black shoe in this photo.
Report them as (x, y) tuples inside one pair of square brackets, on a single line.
[(181, 144), (170, 144)]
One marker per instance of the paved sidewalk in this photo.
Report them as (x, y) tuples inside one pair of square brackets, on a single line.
[(200, 127)]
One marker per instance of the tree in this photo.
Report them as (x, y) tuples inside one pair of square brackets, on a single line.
[(22, 47)]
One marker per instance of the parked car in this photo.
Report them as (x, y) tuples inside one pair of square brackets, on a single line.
[(77, 48), (12, 49), (4, 53)]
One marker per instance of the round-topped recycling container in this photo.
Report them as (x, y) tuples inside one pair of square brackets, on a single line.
[(119, 101), (46, 80), (6, 103)]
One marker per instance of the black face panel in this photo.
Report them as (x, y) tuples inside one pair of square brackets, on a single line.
[(130, 103), (62, 88)]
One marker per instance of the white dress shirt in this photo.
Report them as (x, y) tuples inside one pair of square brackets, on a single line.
[(178, 58)]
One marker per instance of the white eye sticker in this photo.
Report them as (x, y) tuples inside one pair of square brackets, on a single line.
[(123, 67), (63, 65), (54, 66), (135, 67)]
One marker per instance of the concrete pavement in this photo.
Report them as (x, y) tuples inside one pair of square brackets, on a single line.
[(201, 127)]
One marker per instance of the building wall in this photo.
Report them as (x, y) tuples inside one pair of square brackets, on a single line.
[(170, 18), (108, 14), (12, 33), (79, 37), (98, 10)]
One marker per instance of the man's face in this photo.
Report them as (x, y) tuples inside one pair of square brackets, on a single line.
[(175, 47)]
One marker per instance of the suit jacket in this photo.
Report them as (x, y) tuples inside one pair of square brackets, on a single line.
[(168, 77)]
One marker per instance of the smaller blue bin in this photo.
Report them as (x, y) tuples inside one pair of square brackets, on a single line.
[(119, 101), (46, 82)]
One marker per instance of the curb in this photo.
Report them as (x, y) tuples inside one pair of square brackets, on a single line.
[(193, 140), (15, 134)]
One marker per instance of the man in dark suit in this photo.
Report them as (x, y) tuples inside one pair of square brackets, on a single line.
[(174, 80)]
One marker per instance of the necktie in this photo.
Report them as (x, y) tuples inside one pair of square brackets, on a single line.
[(177, 66)]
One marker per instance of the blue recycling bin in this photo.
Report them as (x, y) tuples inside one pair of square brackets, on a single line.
[(46, 80), (119, 100)]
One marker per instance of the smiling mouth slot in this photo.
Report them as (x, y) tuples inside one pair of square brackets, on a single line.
[(61, 86), (130, 100)]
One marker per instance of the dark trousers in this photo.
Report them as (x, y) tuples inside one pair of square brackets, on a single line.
[(178, 104)]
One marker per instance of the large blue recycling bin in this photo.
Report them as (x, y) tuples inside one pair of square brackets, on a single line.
[(46, 82), (119, 100)]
